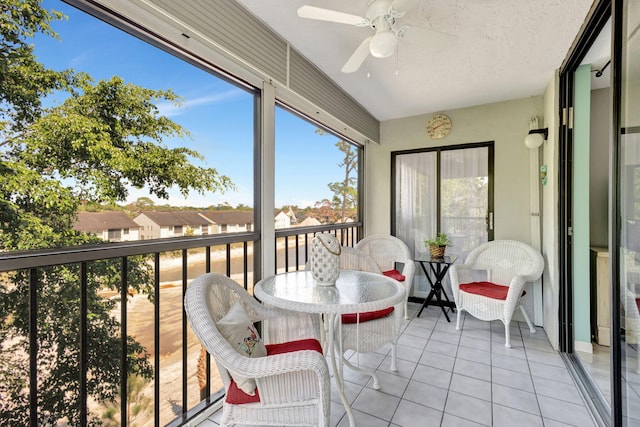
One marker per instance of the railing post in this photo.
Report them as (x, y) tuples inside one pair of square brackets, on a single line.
[(156, 341), (184, 335), (124, 366), (83, 344), (245, 265), (297, 252), (286, 253), (33, 347), (207, 386)]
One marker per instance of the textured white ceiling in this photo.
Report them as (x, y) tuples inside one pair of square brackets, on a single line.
[(504, 49)]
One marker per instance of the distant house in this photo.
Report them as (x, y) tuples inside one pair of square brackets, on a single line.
[(156, 225), (229, 221), (109, 226), (292, 216), (309, 222), (282, 220)]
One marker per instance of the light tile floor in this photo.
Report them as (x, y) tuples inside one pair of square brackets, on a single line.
[(598, 364), (462, 378)]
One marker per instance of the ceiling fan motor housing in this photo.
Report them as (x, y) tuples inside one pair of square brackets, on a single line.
[(377, 8), (383, 43)]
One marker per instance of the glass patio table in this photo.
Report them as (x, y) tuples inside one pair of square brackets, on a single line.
[(354, 292)]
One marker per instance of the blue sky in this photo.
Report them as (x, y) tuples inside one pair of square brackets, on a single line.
[(218, 115)]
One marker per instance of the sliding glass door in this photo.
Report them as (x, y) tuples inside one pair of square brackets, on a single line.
[(600, 211), (628, 175), (465, 201), (445, 189)]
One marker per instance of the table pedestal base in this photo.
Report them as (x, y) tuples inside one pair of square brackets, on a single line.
[(439, 271), (438, 293), (337, 368)]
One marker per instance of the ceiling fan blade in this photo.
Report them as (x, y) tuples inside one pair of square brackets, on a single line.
[(320, 14), (425, 37), (403, 6), (358, 57)]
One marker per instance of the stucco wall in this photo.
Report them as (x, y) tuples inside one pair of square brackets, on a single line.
[(149, 229), (506, 123)]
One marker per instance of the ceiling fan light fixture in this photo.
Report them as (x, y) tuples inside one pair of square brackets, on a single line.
[(383, 44), (380, 16)]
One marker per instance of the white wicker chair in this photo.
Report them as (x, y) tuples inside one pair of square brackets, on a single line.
[(508, 263), (632, 323), (293, 387), (370, 335), (388, 250), (355, 259)]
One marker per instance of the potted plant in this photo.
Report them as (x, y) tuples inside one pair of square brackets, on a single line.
[(437, 245)]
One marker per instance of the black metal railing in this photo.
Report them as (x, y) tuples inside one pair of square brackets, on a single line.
[(185, 398), (174, 263)]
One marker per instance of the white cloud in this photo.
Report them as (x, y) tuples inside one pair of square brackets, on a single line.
[(170, 110), (79, 61)]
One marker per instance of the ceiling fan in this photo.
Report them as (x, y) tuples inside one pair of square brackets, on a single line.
[(381, 15)]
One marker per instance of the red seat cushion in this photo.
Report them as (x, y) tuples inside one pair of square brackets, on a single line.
[(291, 346), (487, 289), (638, 303), (238, 397), (366, 316), (394, 274)]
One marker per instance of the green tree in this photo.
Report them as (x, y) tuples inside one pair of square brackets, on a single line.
[(102, 139), (138, 403), (144, 203), (24, 81), (224, 206), (345, 192), (324, 211)]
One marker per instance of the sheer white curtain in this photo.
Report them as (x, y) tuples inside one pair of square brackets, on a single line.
[(464, 195), (416, 205)]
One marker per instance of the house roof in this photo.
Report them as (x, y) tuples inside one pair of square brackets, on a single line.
[(229, 217), (346, 220), (308, 222), (91, 221), (173, 218)]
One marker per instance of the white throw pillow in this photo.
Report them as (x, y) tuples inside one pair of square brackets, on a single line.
[(238, 330)]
